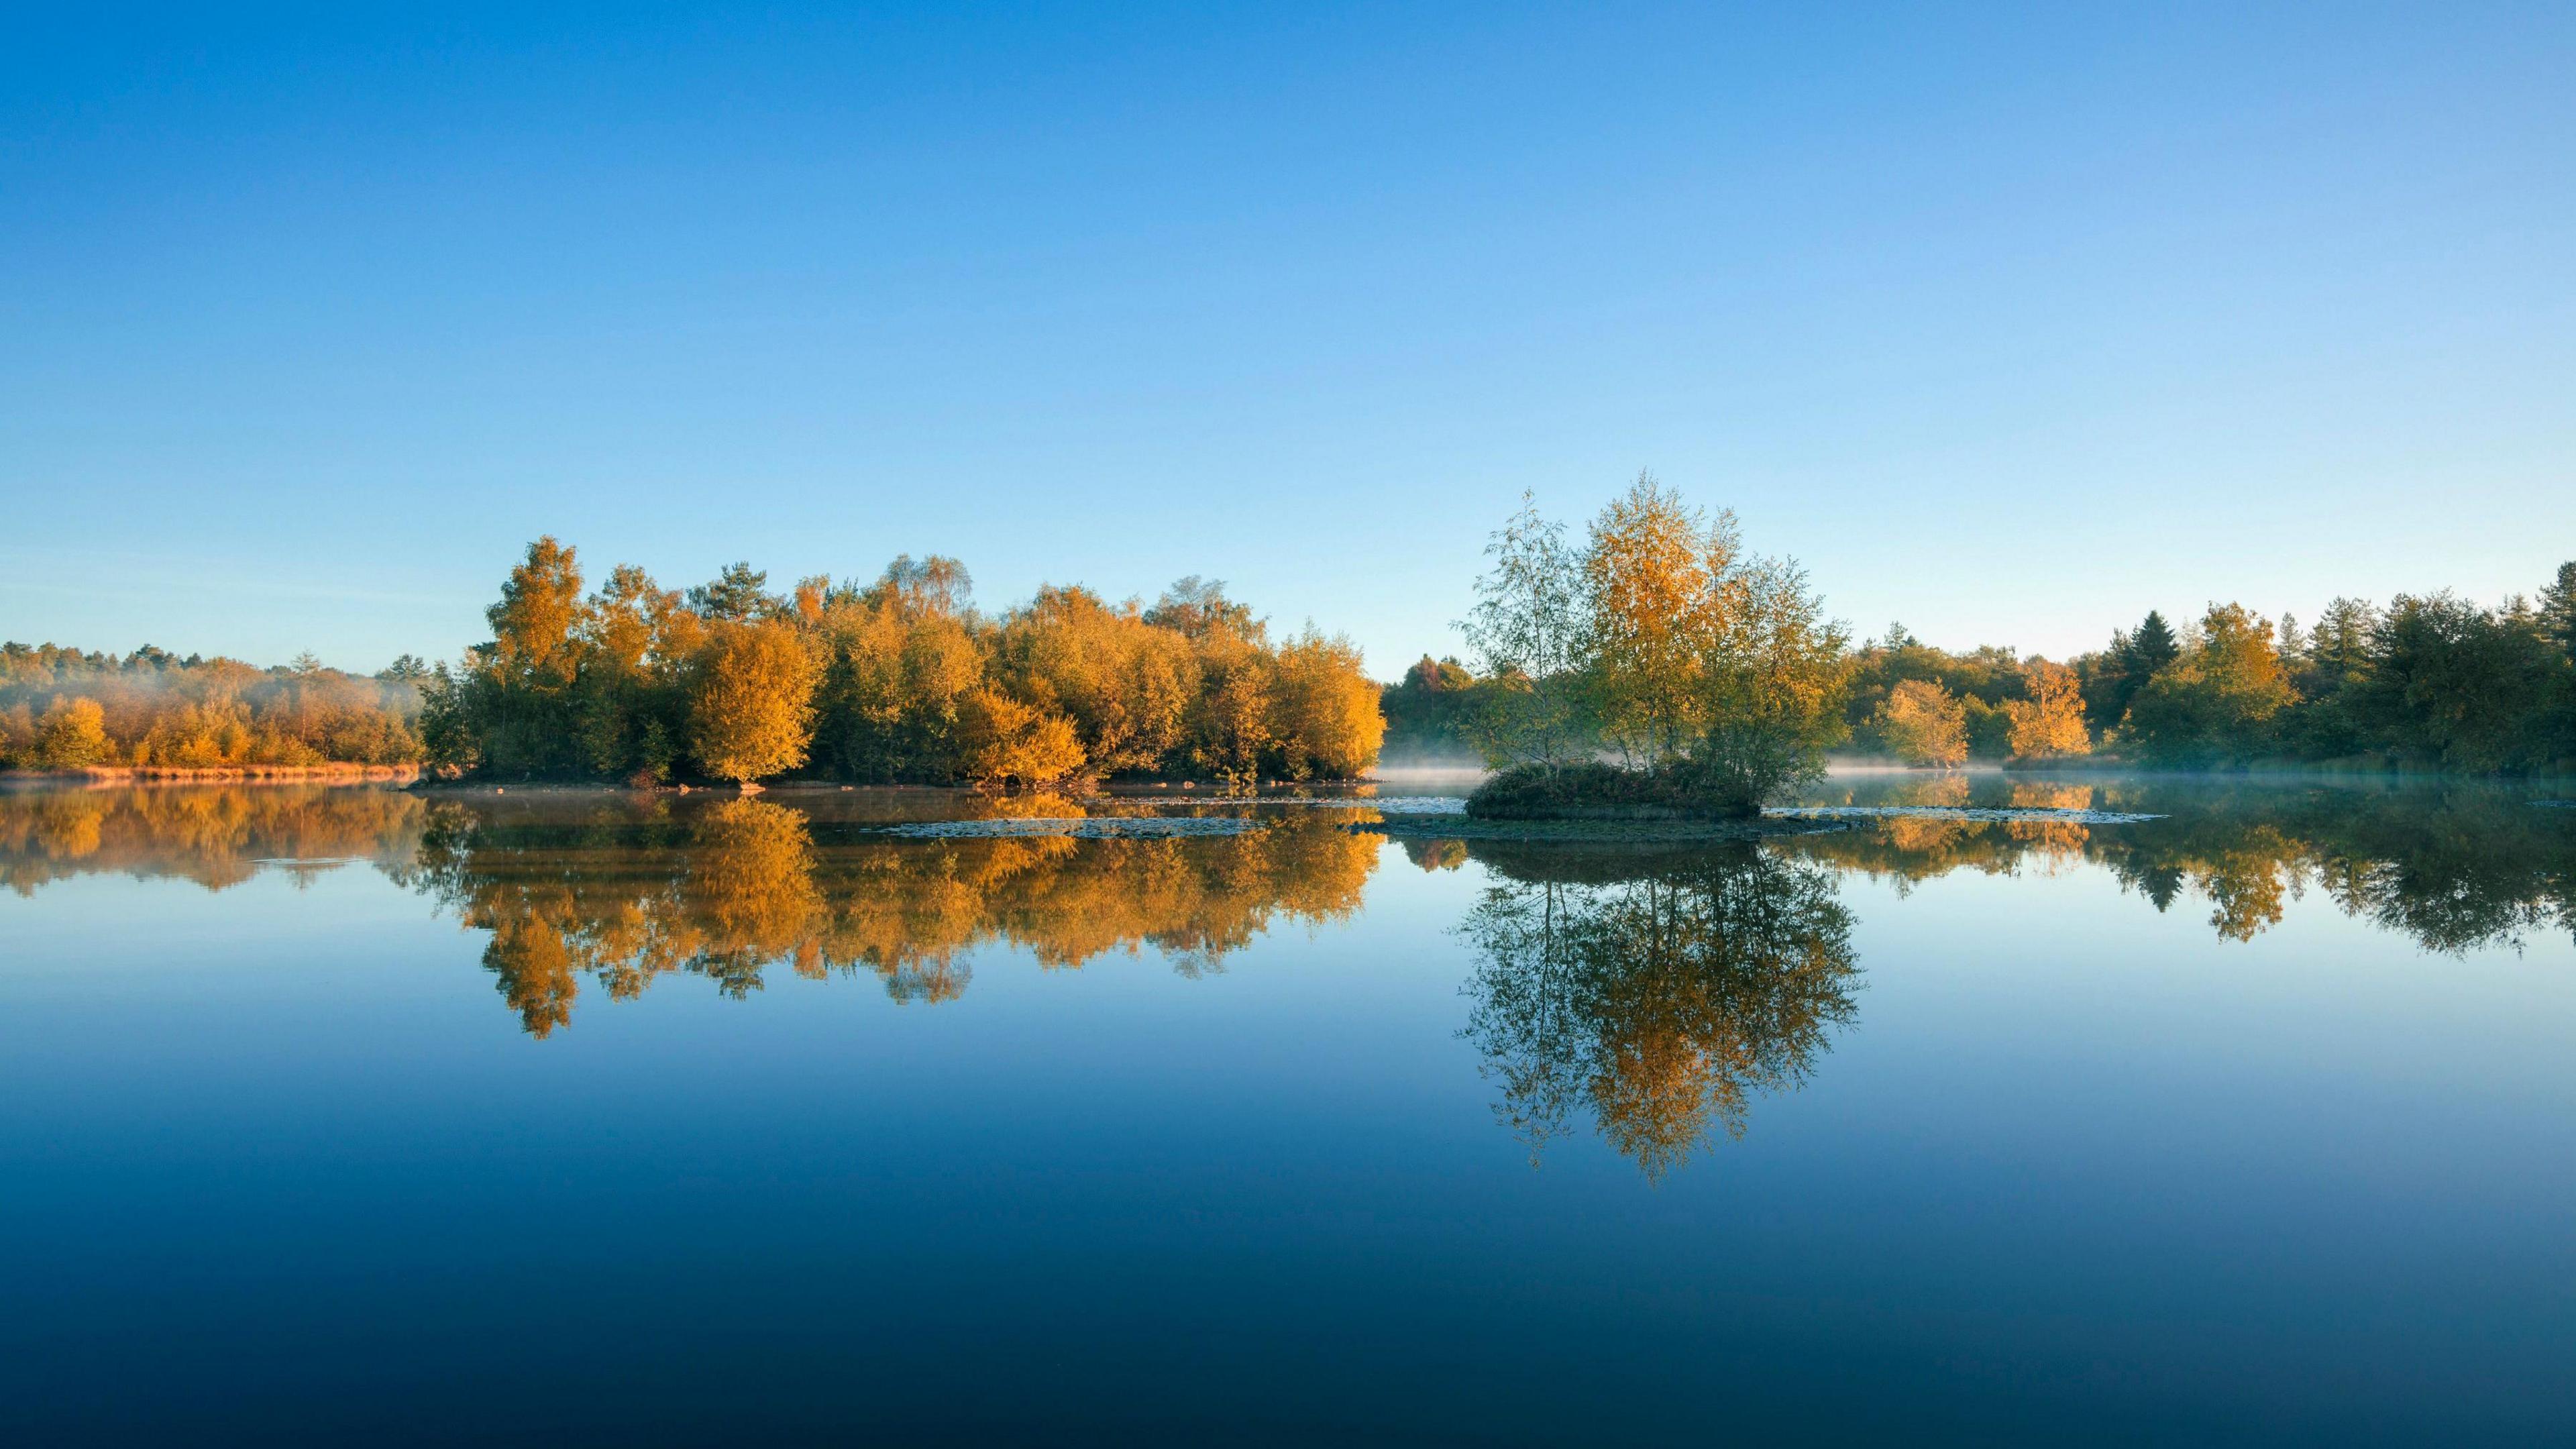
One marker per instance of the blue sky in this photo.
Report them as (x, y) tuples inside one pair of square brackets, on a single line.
[(2010, 323)]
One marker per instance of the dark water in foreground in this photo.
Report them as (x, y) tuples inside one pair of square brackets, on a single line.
[(341, 1114)]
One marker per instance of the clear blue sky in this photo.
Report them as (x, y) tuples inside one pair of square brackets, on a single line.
[(2010, 323)]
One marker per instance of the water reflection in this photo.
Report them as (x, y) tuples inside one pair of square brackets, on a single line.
[(1653, 993), (2454, 867), (216, 836), (622, 890), (727, 889), (1649, 994)]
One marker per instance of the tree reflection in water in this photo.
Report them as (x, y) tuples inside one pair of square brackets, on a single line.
[(624, 889), (1655, 992), (2454, 867), (728, 889), (216, 835)]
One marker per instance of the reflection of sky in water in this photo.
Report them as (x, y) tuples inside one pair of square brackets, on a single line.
[(2291, 1157)]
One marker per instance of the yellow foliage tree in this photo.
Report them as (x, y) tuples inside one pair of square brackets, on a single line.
[(1124, 684), (1923, 724), (533, 625), (1324, 711), (2051, 721), (1004, 743), (73, 734), (862, 682), (1649, 575), (751, 705)]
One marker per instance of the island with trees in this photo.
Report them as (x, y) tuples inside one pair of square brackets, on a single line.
[(895, 680)]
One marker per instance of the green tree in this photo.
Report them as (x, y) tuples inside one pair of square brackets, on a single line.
[(1426, 711), (2218, 700), (2452, 684), (2152, 647), (1530, 633), (739, 594), (2557, 615), (2339, 647), (2131, 661), (1771, 686)]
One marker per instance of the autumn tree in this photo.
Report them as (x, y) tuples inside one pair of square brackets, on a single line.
[(2050, 722), (904, 652), (511, 707), (1923, 724), (751, 709), (628, 716), (1230, 724), (878, 681), (1197, 609), (73, 734), (1649, 574), (1713, 673), (1125, 684), (533, 625), (1324, 716), (1005, 743), (1660, 1002)]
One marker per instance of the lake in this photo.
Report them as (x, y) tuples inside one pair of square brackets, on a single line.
[(588, 1118)]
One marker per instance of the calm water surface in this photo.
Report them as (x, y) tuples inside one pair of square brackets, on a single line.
[(353, 1114)]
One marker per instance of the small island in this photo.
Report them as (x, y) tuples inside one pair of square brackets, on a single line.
[(1661, 674)]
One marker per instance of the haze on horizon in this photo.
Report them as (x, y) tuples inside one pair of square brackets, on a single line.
[(2009, 323)]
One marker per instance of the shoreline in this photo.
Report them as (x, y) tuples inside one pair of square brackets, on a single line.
[(1593, 831), (96, 775)]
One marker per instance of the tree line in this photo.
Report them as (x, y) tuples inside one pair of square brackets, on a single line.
[(895, 680), (1658, 643), (62, 709)]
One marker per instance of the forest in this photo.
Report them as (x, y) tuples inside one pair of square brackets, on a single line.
[(1657, 642), (61, 709), (897, 680)]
